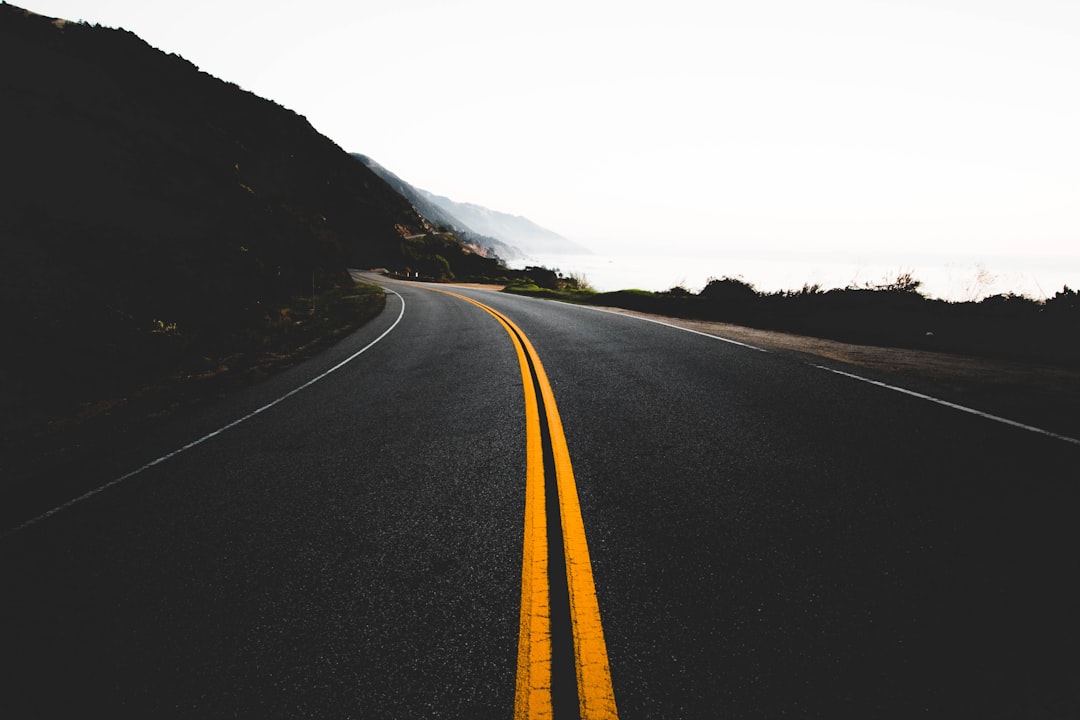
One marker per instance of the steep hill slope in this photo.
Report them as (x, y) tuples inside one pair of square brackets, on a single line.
[(150, 212)]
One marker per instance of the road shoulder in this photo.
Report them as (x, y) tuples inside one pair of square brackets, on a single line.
[(1041, 394)]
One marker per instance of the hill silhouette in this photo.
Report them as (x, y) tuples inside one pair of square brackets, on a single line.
[(151, 214), (484, 245), (509, 237), (526, 237)]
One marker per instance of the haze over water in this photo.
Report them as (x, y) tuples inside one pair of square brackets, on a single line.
[(956, 278)]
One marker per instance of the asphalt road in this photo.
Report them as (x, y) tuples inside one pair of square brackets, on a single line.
[(767, 538)]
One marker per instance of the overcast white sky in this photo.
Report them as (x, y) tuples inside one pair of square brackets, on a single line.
[(846, 126)]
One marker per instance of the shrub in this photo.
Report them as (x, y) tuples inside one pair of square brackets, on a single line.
[(729, 289)]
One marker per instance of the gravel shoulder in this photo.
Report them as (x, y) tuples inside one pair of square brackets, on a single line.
[(1045, 396)]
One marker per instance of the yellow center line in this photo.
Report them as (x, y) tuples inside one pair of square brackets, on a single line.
[(595, 694), (596, 698)]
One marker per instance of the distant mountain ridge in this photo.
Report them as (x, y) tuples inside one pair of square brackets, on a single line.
[(438, 217), (520, 231), (512, 237)]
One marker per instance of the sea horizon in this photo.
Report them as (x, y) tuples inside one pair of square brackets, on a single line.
[(955, 278)]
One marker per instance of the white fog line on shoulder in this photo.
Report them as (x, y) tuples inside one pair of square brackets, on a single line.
[(678, 327), (91, 493), (954, 406)]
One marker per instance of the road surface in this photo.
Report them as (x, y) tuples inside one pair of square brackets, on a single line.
[(765, 537)]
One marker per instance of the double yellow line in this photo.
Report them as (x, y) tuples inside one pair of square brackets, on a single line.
[(533, 697)]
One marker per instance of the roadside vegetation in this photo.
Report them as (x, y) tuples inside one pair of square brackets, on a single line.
[(164, 366), (547, 283), (891, 314)]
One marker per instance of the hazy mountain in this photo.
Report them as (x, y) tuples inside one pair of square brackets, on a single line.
[(138, 194), (518, 231), (510, 236), (439, 217)]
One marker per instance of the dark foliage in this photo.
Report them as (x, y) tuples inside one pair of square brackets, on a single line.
[(152, 215), (894, 314), (441, 257), (543, 277)]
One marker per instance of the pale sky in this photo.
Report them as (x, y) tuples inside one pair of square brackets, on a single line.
[(894, 127)]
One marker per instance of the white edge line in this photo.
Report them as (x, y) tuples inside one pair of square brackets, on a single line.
[(954, 406), (208, 436), (946, 403), (670, 325), (636, 317)]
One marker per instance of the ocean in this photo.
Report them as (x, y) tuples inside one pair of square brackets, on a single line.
[(949, 277)]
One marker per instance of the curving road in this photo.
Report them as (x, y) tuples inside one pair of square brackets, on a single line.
[(766, 537)]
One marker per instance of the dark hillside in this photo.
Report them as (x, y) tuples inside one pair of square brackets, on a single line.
[(151, 213)]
